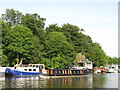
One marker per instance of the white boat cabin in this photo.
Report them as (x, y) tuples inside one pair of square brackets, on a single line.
[(30, 67), (82, 63), (86, 64), (112, 67)]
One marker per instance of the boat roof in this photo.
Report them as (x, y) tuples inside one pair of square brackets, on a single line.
[(35, 64), (85, 60), (28, 65)]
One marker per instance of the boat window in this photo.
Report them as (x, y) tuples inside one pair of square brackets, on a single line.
[(36, 66), (74, 71), (33, 65), (55, 71), (34, 69), (30, 65), (59, 71), (25, 69), (30, 69), (41, 67)]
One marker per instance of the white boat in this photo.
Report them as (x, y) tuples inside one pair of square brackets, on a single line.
[(97, 71), (112, 68), (26, 70), (80, 65)]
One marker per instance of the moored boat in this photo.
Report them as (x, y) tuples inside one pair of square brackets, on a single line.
[(2, 69), (26, 70), (66, 72), (112, 68)]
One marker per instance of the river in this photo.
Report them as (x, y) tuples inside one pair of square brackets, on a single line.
[(107, 80)]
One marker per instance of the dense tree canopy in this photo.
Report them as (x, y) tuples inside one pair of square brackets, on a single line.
[(24, 37), (58, 50), (18, 43), (36, 24)]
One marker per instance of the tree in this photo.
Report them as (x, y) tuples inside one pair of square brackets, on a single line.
[(0, 41), (113, 60), (54, 46), (59, 52), (12, 17), (0, 54), (34, 22), (96, 54), (37, 51), (76, 37), (53, 28), (19, 44), (4, 32), (119, 60)]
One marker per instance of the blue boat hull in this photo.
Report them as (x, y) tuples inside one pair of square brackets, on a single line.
[(10, 72)]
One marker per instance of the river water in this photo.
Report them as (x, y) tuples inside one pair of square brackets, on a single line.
[(107, 80)]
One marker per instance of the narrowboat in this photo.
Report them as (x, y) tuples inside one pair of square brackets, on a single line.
[(66, 72), (26, 70)]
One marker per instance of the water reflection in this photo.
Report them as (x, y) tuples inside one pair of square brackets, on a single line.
[(36, 82), (25, 82), (2, 80), (109, 80), (75, 82), (91, 81), (99, 81)]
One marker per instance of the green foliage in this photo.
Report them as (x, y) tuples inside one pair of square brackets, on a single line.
[(0, 54), (57, 47), (96, 54), (19, 44), (76, 37), (24, 38), (113, 60), (4, 60), (0, 41), (53, 28), (70, 31), (36, 24), (81, 43), (119, 60), (12, 17), (37, 51), (33, 22)]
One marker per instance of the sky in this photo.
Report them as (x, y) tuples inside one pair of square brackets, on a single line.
[(99, 18)]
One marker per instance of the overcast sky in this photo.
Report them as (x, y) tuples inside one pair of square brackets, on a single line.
[(99, 18)]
